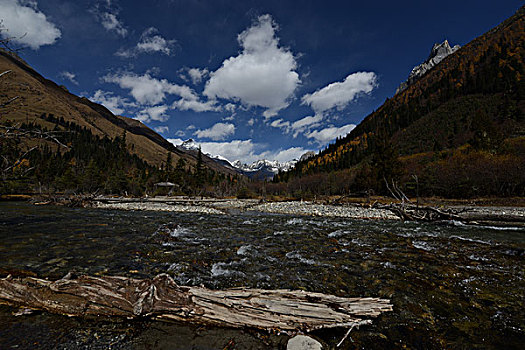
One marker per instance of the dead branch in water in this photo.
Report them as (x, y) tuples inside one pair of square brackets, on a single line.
[(162, 299)]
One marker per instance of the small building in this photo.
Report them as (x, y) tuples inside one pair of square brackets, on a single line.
[(169, 186)]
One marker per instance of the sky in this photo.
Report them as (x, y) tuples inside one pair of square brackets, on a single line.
[(245, 79)]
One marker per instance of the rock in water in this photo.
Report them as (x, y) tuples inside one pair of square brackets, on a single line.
[(303, 342), (437, 54)]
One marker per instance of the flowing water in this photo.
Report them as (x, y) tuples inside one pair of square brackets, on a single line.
[(452, 286)]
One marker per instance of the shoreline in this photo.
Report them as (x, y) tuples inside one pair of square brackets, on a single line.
[(471, 212), (483, 215), (230, 206)]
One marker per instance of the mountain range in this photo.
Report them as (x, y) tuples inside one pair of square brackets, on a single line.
[(261, 169), (456, 127)]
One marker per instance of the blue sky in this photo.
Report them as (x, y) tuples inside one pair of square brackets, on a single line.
[(245, 79)]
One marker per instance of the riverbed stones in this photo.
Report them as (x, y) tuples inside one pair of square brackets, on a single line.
[(217, 206), (313, 209), (303, 342)]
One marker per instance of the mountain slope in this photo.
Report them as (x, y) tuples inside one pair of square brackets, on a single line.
[(473, 100), (38, 97)]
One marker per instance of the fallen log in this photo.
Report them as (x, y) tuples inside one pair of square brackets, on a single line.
[(162, 299)]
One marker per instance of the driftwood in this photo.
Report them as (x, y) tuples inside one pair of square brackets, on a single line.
[(162, 299), (410, 212)]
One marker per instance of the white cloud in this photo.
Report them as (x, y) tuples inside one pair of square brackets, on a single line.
[(196, 106), (232, 150), (281, 124), (69, 76), (285, 155), (111, 22), (150, 41), (299, 126), (149, 90), (24, 24), (230, 107), (219, 131), (262, 75), (197, 74), (327, 135), (251, 122), (306, 123), (161, 129), (107, 14), (116, 104), (180, 133), (340, 94), (245, 151), (153, 113)]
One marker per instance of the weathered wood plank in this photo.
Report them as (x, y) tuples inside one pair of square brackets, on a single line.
[(161, 298)]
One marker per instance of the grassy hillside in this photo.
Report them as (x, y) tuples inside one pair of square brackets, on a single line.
[(38, 96)]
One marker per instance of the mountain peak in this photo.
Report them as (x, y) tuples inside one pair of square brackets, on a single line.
[(437, 54), (190, 145)]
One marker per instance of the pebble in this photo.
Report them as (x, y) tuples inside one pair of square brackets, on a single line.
[(303, 342)]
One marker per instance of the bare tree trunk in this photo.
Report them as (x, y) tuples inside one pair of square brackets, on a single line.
[(161, 298)]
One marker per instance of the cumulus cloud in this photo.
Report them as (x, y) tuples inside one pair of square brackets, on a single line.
[(263, 74), (150, 41), (161, 129), (340, 94), (299, 126), (24, 24), (329, 134), (230, 107), (147, 89), (107, 14), (116, 104), (219, 131), (153, 113), (69, 76), (196, 105), (197, 74)]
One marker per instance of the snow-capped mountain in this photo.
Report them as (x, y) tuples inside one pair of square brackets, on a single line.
[(262, 169), (189, 144), (437, 54)]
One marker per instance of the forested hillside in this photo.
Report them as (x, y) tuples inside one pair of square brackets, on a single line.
[(459, 131), (53, 141)]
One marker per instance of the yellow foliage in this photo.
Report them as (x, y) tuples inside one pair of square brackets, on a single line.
[(24, 163)]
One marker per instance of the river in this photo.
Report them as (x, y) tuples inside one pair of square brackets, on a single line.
[(452, 286)]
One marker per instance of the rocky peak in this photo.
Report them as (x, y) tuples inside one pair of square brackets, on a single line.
[(189, 144), (437, 54), (307, 155)]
